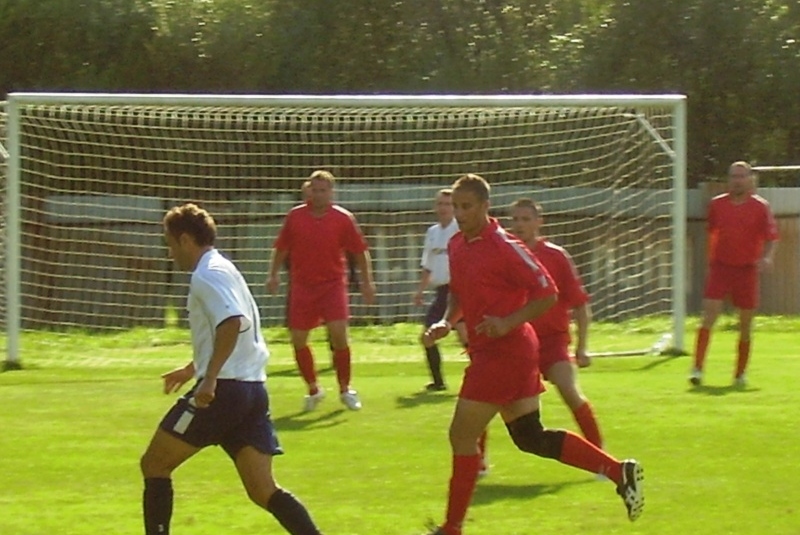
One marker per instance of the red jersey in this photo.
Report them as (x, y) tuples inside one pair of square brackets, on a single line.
[(571, 293), (495, 274), (737, 232), (316, 245)]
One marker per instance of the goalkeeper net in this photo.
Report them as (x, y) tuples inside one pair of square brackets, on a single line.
[(90, 177)]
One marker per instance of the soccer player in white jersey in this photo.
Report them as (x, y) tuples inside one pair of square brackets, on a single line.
[(435, 274), (228, 406)]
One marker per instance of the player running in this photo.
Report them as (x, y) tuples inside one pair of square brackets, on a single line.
[(498, 287), (552, 327)]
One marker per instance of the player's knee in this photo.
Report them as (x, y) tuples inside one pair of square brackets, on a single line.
[(260, 494), (152, 466), (530, 436)]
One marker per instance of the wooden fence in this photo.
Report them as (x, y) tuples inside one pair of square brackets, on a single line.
[(109, 269)]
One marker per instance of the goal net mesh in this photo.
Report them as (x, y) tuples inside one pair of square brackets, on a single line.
[(95, 181)]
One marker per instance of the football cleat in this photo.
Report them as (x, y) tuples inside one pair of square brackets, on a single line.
[(433, 529), (630, 488), (740, 381), (311, 401), (696, 377), (350, 400)]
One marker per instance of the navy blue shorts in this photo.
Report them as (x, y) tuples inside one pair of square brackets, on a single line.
[(238, 417), (437, 309)]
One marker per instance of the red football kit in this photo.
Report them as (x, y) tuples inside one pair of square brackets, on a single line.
[(494, 274), (552, 328), (737, 233), (318, 269)]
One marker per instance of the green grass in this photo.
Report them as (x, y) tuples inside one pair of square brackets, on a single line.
[(717, 461)]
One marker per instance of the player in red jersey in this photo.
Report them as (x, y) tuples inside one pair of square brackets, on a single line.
[(743, 237), (552, 327), (315, 237), (498, 286)]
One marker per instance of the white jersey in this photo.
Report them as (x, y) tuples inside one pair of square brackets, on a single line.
[(434, 252), (217, 292)]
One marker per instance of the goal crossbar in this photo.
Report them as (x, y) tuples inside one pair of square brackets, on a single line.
[(56, 137)]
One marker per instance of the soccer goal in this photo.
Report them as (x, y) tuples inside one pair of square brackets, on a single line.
[(90, 176)]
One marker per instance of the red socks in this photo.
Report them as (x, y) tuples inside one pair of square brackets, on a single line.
[(305, 362), (701, 347), (742, 353), (582, 454), (743, 356), (588, 424), (462, 485), (341, 357)]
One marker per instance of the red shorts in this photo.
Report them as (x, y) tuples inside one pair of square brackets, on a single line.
[(310, 305), (740, 282), (503, 377), (552, 349)]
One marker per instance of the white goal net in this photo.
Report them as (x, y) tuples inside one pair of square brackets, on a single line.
[(92, 176)]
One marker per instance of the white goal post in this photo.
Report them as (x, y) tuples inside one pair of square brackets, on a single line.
[(89, 177)]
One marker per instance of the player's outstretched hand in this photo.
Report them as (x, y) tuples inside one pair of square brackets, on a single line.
[(175, 379), (438, 330)]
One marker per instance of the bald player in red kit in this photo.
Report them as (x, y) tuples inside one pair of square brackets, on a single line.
[(315, 237), (498, 287), (743, 237)]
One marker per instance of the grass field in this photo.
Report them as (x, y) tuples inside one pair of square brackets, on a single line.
[(717, 460)]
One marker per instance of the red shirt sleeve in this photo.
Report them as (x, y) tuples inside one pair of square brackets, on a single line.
[(354, 240), (570, 285), (284, 240), (526, 270)]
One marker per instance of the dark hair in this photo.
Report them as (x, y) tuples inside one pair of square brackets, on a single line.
[(528, 203), (474, 184), (193, 220)]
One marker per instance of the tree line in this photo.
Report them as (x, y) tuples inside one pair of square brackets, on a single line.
[(737, 61)]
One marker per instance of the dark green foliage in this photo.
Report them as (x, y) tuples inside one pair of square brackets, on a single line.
[(736, 62)]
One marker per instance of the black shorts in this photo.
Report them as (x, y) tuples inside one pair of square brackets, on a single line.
[(238, 417), (437, 309)]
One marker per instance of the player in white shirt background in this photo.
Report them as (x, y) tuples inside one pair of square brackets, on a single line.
[(435, 275)]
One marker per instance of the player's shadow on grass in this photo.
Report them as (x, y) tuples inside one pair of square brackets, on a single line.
[(487, 492), (658, 361), (303, 420), (293, 372), (721, 390), (424, 398)]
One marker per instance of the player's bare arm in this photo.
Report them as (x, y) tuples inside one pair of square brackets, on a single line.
[(276, 262), (494, 326), (225, 338), (175, 379), (442, 328), (583, 316), (424, 281), (766, 261), (367, 283)]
